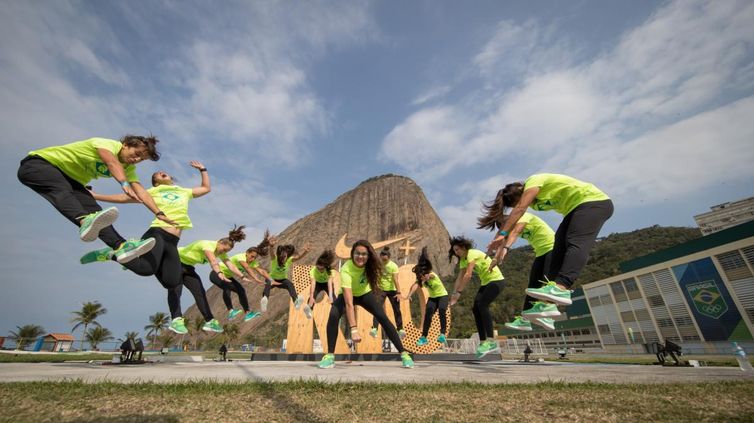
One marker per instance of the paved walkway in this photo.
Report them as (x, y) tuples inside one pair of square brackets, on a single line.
[(424, 372)]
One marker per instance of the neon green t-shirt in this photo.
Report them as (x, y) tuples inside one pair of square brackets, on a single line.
[(319, 277), (193, 254), (386, 281), (435, 287), (540, 235), (353, 277), (279, 272), (561, 193), (481, 266), (236, 260), (81, 162), (173, 201)]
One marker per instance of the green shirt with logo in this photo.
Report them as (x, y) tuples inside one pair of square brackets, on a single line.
[(319, 277), (173, 201), (561, 193), (435, 287), (540, 235), (277, 271), (386, 281), (354, 278), (193, 254), (236, 259), (481, 266)]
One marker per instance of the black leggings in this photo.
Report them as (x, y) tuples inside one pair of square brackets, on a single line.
[(69, 197), (537, 273), (574, 239), (369, 303), (193, 282), (439, 304), (233, 286), (163, 262), (284, 284), (319, 287), (393, 303), (484, 297)]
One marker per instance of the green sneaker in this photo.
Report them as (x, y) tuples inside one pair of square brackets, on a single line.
[(422, 341), (178, 326), (131, 249), (250, 315), (298, 302), (327, 362), (406, 360), (442, 339), (541, 309), (486, 347), (519, 323), (373, 332), (104, 254), (91, 224), (232, 313), (552, 293), (212, 326), (401, 333), (545, 322)]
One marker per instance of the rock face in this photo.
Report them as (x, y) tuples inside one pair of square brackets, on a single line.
[(383, 208)]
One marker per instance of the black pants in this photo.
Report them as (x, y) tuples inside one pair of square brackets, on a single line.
[(284, 284), (393, 303), (440, 305), (481, 309), (163, 262), (369, 302), (574, 239), (536, 274), (319, 287), (228, 288), (193, 282), (68, 197)]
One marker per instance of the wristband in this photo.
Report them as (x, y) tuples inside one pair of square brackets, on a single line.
[(125, 184), (203, 169), (507, 248), (458, 292), (503, 233), (160, 213)]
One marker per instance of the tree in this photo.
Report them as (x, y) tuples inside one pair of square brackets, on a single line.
[(88, 315), (129, 335), (165, 339), (198, 324), (230, 333), (96, 335), (26, 333), (157, 322)]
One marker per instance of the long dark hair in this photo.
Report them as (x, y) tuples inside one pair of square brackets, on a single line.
[(289, 249), (150, 142), (423, 266), (373, 267), (263, 248), (325, 260), (461, 241), (494, 212), (235, 235)]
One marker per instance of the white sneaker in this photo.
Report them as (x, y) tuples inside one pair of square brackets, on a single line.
[(263, 304)]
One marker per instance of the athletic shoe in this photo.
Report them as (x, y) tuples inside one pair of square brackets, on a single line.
[(298, 302), (442, 339), (250, 315), (487, 347), (406, 360), (519, 323), (131, 249), (422, 341), (308, 311), (263, 304), (373, 332), (401, 333), (91, 224), (104, 254), (178, 326), (545, 322), (541, 309), (212, 326), (232, 313), (552, 293), (327, 362)]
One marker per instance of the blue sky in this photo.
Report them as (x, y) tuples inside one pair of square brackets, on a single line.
[(290, 104)]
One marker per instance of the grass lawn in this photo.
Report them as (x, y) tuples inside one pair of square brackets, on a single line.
[(321, 402)]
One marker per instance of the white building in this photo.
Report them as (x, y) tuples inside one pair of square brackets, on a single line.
[(726, 215)]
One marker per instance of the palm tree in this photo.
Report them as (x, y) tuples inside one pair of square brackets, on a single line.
[(129, 335), (26, 333), (88, 315), (231, 331), (96, 335), (157, 322), (198, 324), (165, 339)]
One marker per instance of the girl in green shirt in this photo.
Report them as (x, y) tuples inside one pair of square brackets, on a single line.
[(279, 265), (321, 280), (359, 277), (438, 297), (389, 289), (584, 208)]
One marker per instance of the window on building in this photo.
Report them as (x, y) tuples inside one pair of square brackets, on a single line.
[(604, 329), (656, 301), (734, 265), (665, 323)]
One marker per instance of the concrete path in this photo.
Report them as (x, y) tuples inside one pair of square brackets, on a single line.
[(424, 372)]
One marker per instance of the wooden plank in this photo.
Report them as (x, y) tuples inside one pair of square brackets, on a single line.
[(300, 329)]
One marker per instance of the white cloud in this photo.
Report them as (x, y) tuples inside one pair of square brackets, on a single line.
[(431, 94)]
